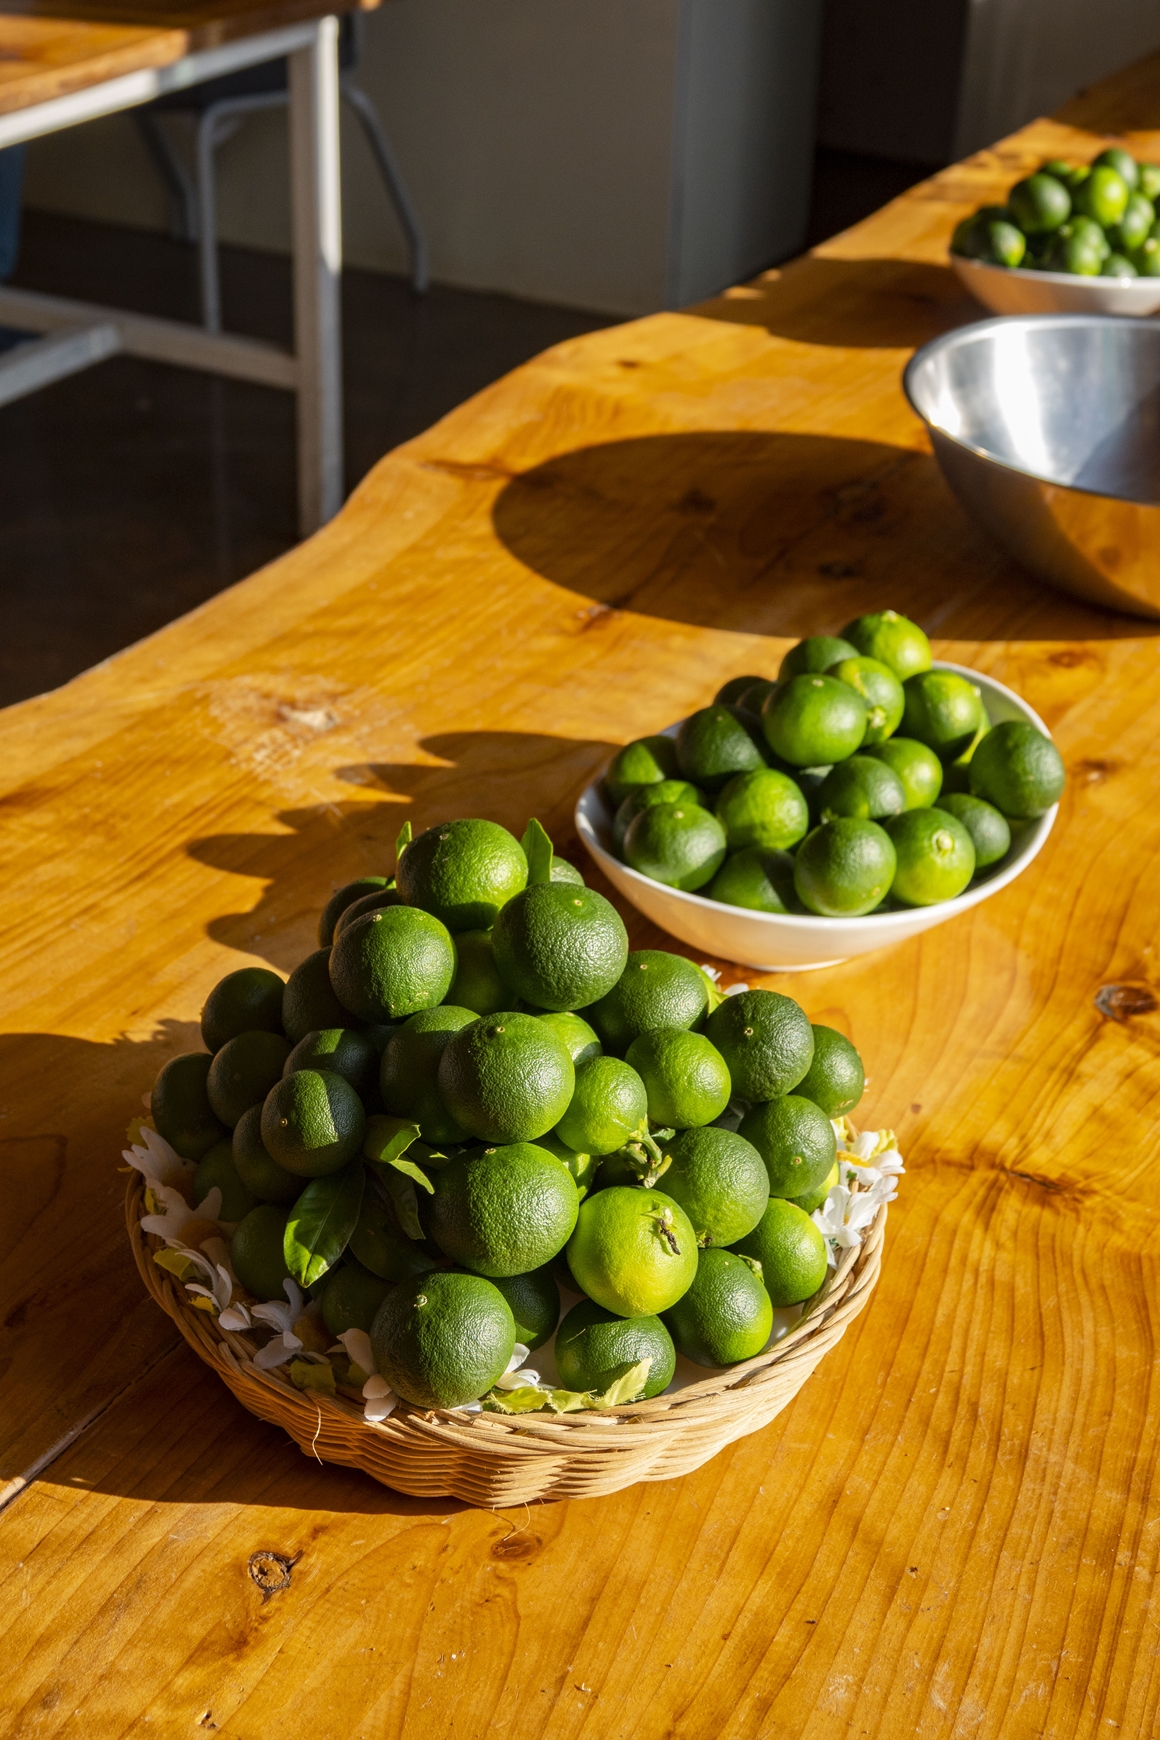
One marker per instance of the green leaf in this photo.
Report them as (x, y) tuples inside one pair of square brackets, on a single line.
[(403, 841), (322, 1221), (628, 1388), (402, 1194), (387, 1139), (538, 852), (312, 1374), (415, 1173)]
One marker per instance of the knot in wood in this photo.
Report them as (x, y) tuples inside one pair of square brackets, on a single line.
[(271, 1571), (1120, 1002)]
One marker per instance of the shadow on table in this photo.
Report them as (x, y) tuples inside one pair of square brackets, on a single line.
[(506, 775), (780, 534), (881, 304)]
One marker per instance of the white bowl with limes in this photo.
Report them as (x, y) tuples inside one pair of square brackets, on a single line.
[(776, 942), (1023, 290)]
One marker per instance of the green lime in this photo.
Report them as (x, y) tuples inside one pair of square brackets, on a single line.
[(669, 791), (256, 1251), (313, 1122), (791, 1251), (348, 1051), (1018, 769), (1149, 174), (595, 1347), (835, 1079), (881, 691), (764, 808), (813, 1199), (351, 1297), (309, 1004), (758, 880), (503, 1211), (918, 767), (180, 1108), (1039, 204), (477, 984), (560, 947), (583, 1167), (713, 745), (1069, 173), (1147, 259), (749, 703), (685, 1077), (534, 1301), (243, 1072), (562, 871), (633, 1251), (216, 1169), (463, 872), (720, 1181), (814, 719), (862, 787), (379, 1243), (726, 1315), (988, 828), (893, 640), (766, 1040), (936, 857), (795, 1139), (1006, 244), (409, 1072), (645, 762), (1103, 197), (681, 845), (1116, 266), (1135, 226), (256, 1167), (943, 710), (581, 1040), (376, 901), (812, 656), (731, 692), (506, 1078), (392, 964), (1124, 164), (844, 868), (607, 1108), (344, 897), (656, 989), (243, 1001), (444, 1339), (1081, 249), (973, 236)]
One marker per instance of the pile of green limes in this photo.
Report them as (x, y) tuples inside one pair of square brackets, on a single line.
[(859, 780), (473, 1093), (1095, 219)]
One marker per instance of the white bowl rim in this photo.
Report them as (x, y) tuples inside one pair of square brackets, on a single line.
[(979, 329), (1069, 280), (1032, 843)]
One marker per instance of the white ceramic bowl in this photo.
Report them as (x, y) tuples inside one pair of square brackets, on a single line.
[(777, 942), (1019, 290)]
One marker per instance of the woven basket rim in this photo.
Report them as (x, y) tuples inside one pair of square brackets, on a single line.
[(837, 1302)]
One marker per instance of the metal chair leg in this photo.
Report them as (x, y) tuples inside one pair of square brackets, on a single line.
[(392, 175), (175, 176), (211, 302)]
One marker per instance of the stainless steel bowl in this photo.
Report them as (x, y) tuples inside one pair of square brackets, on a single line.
[(1047, 428)]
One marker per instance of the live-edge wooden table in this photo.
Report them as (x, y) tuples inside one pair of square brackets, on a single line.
[(67, 61), (954, 1530)]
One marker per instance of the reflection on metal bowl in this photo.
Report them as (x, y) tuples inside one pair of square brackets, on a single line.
[(1047, 427)]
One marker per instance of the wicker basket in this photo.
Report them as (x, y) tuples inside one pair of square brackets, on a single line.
[(495, 1460)]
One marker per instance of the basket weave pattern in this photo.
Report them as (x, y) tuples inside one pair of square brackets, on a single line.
[(495, 1460)]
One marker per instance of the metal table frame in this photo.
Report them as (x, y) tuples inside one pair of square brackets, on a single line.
[(85, 333)]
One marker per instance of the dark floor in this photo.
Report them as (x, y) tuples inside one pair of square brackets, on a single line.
[(134, 491)]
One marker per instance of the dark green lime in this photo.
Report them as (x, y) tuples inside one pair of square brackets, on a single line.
[(758, 880), (1018, 769), (375, 901), (409, 1072), (669, 791), (835, 1080), (351, 1297), (379, 1243), (594, 1348), (243, 1072), (309, 1004), (477, 984), (766, 1040), (795, 1139), (763, 808), (936, 856), (918, 767), (180, 1108), (943, 710), (560, 947), (534, 1301), (256, 1252), (243, 1001), (815, 654), (681, 845), (256, 1166), (844, 868), (646, 761), (791, 1251), (863, 787), (348, 1051), (813, 720), (726, 1315), (463, 872), (506, 1078), (344, 897), (1039, 204), (391, 964), (656, 989), (720, 1181), (216, 1170), (984, 823), (713, 745), (443, 1340), (503, 1211), (313, 1122)]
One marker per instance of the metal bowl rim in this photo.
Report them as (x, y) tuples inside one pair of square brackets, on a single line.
[(980, 328)]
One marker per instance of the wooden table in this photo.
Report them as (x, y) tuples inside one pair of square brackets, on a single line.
[(954, 1530), (67, 61)]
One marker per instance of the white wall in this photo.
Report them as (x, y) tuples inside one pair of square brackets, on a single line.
[(554, 148), (1025, 57)]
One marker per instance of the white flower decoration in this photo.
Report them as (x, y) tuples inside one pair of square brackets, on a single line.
[(518, 1376), (156, 1160), (379, 1399), (737, 990), (870, 1160), (174, 1213), (282, 1318)]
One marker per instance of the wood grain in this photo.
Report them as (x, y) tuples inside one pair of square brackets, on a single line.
[(954, 1528)]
